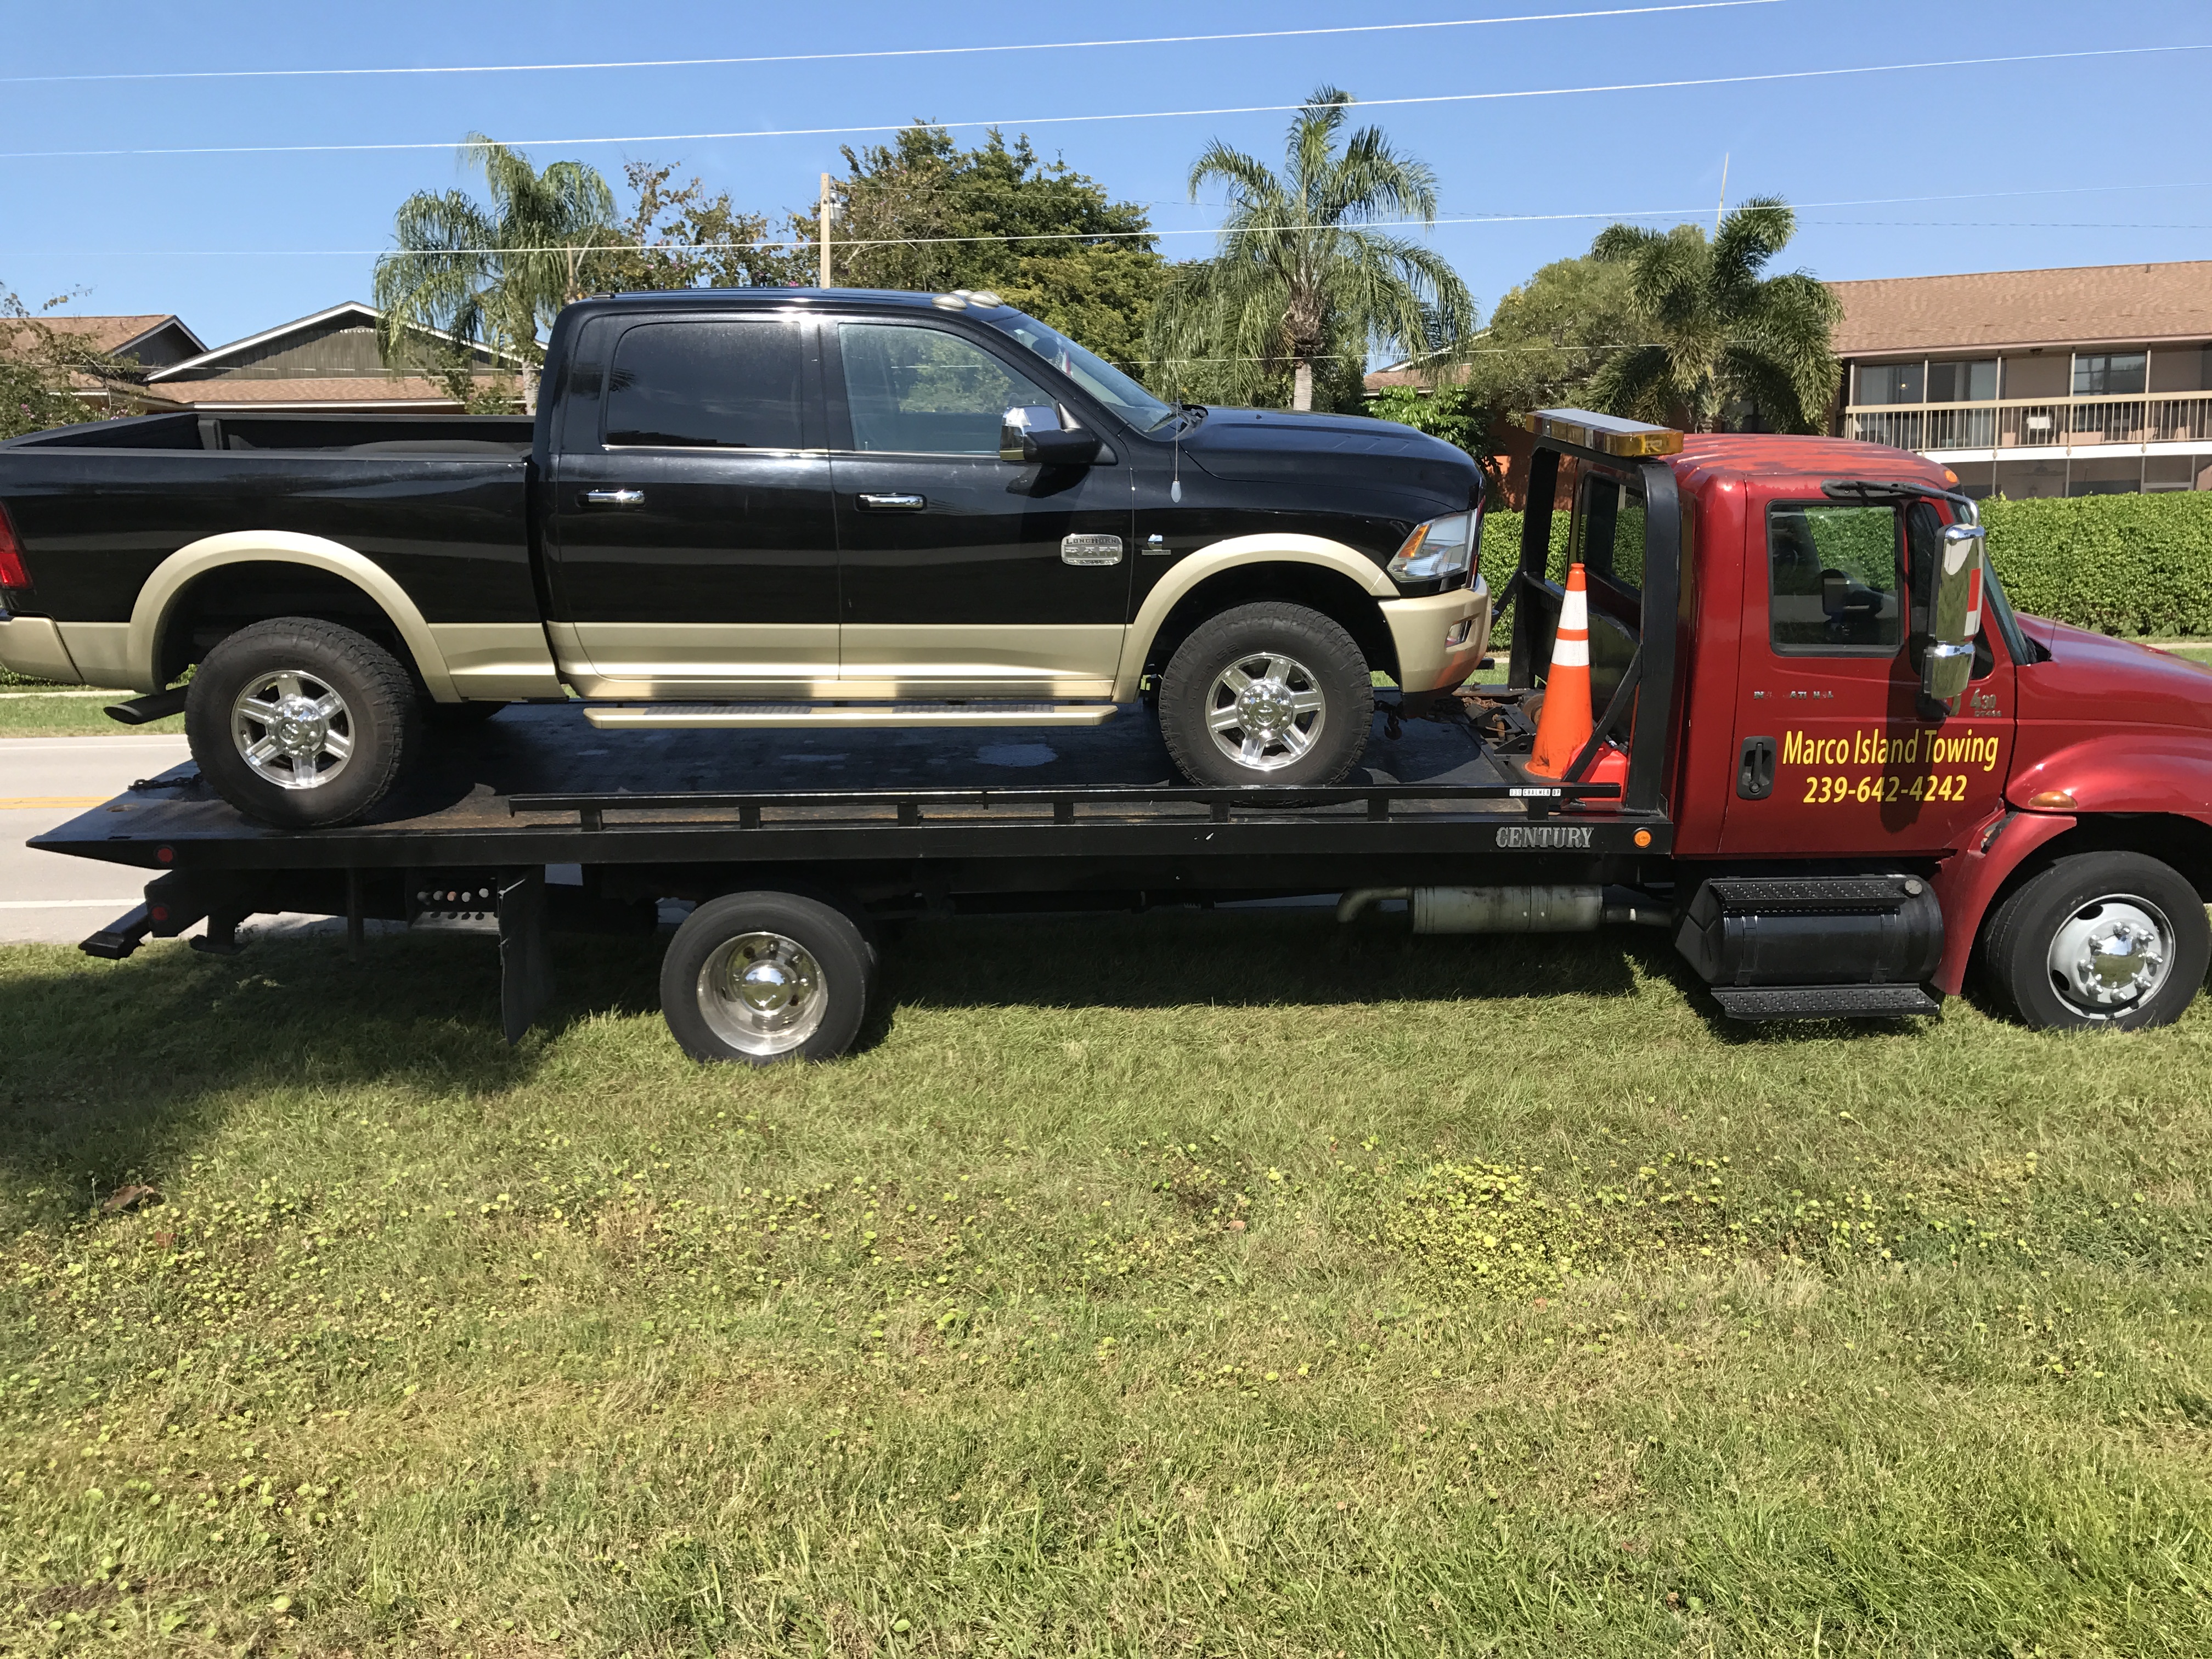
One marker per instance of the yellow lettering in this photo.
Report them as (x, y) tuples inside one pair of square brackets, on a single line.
[(1793, 748)]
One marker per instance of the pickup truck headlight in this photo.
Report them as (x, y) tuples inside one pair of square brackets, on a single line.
[(1441, 548)]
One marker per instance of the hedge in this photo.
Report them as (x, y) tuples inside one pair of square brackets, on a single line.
[(2120, 564)]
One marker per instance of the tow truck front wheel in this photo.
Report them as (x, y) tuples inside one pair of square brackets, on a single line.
[(2111, 940), (762, 977)]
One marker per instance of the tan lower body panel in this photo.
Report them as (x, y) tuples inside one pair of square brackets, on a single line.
[(802, 716), (700, 659), (101, 651), (892, 660), (497, 660), (32, 645), (1421, 631)]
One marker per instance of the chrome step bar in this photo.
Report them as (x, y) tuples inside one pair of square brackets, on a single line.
[(877, 715)]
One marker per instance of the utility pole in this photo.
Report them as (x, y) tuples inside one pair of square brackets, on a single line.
[(1717, 211), (825, 230)]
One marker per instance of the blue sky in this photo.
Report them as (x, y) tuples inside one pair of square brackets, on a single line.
[(235, 243)]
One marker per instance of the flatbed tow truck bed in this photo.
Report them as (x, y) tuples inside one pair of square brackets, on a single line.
[(1018, 820)]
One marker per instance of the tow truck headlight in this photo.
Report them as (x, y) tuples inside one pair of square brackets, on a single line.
[(1441, 548)]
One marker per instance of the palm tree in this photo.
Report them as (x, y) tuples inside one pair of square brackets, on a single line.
[(491, 274), (1298, 279), (1725, 340)]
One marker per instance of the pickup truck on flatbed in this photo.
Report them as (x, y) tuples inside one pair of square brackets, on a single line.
[(1848, 774), (758, 507)]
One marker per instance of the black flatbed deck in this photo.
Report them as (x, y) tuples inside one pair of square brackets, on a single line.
[(539, 786)]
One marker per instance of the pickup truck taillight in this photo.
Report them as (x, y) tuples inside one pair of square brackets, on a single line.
[(14, 575)]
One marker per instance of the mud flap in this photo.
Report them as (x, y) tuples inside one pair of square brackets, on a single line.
[(526, 960)]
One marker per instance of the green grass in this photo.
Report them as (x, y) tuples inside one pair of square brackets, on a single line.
[(38, 716), (1218, 1284)]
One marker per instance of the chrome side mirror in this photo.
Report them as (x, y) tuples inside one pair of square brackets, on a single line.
[(1043, 432), (1955, 617)]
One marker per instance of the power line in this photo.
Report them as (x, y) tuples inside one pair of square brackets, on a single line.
[(1092, 236), (1769, 76), (904, 52)]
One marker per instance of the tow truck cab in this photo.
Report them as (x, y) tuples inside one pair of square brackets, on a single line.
[(1836, 829)]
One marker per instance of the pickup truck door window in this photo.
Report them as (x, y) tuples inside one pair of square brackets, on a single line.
[(1830, 676), (957, 578), (696, 547)]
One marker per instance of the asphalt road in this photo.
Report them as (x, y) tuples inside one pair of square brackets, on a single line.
[(44, 781)]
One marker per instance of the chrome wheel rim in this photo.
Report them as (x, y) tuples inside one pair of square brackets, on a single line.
[(763, 994), (2111, 955), (1266, 711), (293, 729)]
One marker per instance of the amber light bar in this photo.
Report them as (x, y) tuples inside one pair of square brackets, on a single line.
[(1609, 435)]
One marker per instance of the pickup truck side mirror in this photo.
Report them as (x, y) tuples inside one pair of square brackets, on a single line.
[(1955, 617), (1040, 431)]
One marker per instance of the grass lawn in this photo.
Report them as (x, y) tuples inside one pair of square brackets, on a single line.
[(1218, 1284), (31, 708)]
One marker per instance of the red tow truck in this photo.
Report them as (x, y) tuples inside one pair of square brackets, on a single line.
[(1852, 776)]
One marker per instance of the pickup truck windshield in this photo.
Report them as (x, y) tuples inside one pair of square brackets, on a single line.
[(1094, 374)]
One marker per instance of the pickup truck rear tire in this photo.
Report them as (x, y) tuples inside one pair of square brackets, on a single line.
[(2099, 940), (1272, 694), (301, 723)]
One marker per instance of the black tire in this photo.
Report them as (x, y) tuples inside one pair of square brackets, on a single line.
[(457, 716), (375, 716), (802, 943), (2040, 947), (1329, 669)]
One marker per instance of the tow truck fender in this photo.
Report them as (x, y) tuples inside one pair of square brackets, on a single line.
[(2167, 774), (1966, 885)]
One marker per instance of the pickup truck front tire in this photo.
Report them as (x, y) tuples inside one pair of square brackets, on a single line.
[(300, 723), (1271, 693)]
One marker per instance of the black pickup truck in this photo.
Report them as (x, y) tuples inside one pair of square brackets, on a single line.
[(768, 508)]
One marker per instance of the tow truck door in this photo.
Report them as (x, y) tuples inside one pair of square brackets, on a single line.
[(1832, 753)]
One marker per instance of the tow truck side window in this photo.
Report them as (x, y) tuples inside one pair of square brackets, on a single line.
[(1835, 590), (1608, 533)]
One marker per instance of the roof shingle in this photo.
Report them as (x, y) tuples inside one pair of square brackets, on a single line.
[(2082, 305)]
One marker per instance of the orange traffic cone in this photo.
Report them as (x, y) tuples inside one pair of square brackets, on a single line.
[(1563, 727)]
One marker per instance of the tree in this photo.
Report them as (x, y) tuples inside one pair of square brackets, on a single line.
[(1545, 343), (45, 371), (687, 238), (1730, 344), (919, 214), (1299, 281), (491, 274)]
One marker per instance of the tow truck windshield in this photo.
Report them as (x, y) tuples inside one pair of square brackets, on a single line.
[(1092, 372)]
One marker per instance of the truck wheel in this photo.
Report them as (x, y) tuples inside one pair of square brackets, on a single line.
[(2108, 940), (762, 977), (1268, 694), (301, 723)]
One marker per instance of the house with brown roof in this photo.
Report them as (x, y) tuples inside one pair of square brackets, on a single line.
[(325, 363), (151, 341), (2089, 380)]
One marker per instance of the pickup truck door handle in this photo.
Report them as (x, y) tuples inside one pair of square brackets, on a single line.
[(910, 503), (614, 498)]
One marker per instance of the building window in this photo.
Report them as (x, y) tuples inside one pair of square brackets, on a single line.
[(1963, 383), (1890, 383), (2107, 374)]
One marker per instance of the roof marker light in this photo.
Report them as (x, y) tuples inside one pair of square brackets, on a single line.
[(1609, 435)]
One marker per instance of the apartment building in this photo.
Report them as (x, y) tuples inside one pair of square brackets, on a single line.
[(2092, 380)]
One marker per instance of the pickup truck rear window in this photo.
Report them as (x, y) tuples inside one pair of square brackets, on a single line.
[(926, 391), (706, 386)]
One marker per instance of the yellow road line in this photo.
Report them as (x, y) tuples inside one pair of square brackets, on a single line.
[(11, 803)]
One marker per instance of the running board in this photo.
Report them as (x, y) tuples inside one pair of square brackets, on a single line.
[(791, 715), (1823, 1001)]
